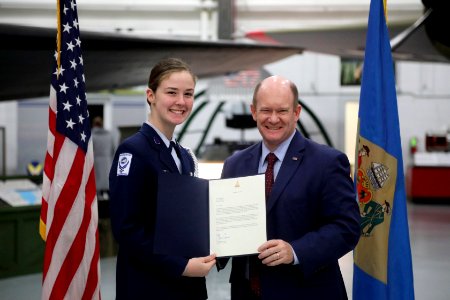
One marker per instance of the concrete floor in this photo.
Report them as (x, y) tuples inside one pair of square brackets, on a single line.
[(430, 247)]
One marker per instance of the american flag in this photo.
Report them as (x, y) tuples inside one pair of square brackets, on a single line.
[(69, 215)]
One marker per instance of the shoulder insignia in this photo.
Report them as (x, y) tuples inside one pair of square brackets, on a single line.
[(123, 165)]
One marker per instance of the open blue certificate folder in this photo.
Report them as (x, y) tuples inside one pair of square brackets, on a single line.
[(196, 217)]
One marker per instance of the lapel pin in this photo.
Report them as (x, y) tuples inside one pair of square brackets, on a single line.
[(294, 158), (156, 140)]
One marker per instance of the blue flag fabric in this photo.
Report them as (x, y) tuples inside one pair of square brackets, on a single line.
[(383, 264)]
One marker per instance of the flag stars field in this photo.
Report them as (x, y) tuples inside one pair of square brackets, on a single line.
[(67, 106), (70, 46), (63, 87), (73, 64), (67, 28), (70, 124)]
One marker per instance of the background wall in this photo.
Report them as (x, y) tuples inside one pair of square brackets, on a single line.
[(9, 121), (422, 92), (423, 89)]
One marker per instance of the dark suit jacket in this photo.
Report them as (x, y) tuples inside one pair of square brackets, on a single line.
[(140, 273), (313, 207)]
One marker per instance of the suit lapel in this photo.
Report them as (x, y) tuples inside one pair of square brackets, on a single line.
[(292, 161), (251, 162)]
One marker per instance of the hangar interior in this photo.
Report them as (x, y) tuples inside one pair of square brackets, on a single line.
[(324, 42)]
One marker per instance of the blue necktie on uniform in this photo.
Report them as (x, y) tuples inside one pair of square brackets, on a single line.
[(175, 146)]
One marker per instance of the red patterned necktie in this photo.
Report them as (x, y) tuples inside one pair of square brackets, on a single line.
[(271, 159), (254, 273)]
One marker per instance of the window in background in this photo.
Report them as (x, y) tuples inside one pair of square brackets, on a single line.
[(351, 71)]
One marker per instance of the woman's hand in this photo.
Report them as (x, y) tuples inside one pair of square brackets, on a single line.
[(199, 266)]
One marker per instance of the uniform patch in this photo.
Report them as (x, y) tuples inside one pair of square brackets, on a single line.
[(123, 165)]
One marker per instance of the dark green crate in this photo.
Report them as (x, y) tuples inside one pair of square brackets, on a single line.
[(21, 247)]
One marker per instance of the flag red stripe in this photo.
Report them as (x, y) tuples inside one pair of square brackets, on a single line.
[(50, 162), (63, 205), (59, 141), (51, 121), (93, 277), (49, 169), (75, 255), (44, 208)]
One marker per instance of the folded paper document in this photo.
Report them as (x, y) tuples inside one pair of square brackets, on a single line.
[(196, 217)]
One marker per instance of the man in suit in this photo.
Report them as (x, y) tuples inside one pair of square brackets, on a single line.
[(312, 213)]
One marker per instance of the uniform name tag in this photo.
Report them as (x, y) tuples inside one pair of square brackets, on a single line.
[(123, 166)]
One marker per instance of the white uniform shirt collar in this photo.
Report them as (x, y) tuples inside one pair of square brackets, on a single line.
[(161, 135)]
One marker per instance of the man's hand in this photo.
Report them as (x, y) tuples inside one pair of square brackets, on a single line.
[(199, 266), (275, 252)]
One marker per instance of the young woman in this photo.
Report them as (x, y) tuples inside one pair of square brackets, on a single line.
[(133, 187)]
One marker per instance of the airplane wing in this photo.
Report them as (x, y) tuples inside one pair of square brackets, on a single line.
[(350, 42), (424, 40), (117, 61)]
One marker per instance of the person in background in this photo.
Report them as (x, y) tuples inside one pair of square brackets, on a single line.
[(311, 209), (138, 162), (103, 144)]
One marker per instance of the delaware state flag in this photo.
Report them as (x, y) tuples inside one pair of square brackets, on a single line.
[(382, 258)]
